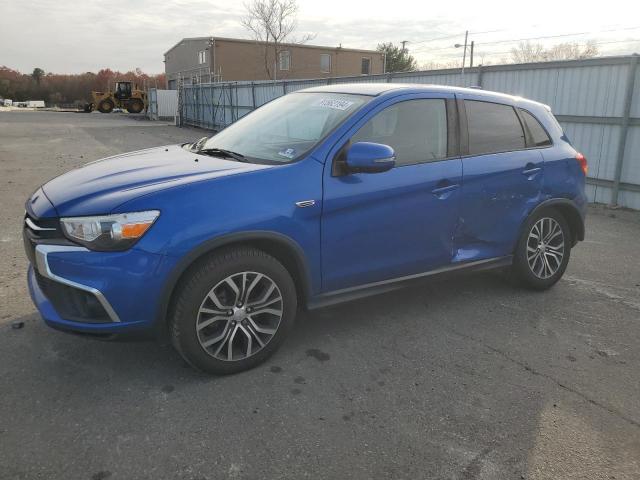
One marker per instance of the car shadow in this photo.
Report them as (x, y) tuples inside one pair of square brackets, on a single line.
[(55, 351)]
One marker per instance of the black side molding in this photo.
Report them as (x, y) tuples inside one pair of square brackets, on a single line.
[(361, 291)]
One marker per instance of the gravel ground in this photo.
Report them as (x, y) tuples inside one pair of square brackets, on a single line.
[(463, 378)]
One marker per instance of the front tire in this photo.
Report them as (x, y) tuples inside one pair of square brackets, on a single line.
[(232, 311), (106, 106), (543, 251)]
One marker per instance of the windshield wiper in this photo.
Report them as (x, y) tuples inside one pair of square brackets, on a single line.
[(223, 153)]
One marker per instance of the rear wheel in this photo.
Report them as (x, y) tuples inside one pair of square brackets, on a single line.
[(233, 311), (106, 106), (543, 251), (135, 106)]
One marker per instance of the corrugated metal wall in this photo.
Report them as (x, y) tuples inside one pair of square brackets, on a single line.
[(597, 101)]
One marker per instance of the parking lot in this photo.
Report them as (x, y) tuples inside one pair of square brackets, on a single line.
[(461, 378)]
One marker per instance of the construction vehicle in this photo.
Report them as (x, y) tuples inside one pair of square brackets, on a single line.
[(124, 97)]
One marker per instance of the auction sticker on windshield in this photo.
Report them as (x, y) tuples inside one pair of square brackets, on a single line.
[(289, 152), (334, 103)]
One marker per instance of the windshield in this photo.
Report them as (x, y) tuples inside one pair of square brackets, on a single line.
[(286, 128)]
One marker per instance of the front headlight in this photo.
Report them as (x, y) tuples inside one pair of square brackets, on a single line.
[(109, 232)]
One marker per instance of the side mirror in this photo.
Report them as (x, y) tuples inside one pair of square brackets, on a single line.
[(368, 157)]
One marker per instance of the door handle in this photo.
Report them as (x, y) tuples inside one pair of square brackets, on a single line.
[(440, 191), (530, 169)]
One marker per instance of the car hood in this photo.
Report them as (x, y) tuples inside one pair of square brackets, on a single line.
[(99, 187)]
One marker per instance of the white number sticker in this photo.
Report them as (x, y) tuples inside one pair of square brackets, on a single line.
[(333, 103)]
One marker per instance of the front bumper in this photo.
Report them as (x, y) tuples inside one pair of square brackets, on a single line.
[(96, 292)]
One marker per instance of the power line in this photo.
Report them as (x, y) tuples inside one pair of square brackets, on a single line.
[(456, 35), (558, 36), (489, 53), (532, 38), (438, 38), (577, 44)]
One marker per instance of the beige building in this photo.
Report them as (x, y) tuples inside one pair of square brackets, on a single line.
[(216, 59)]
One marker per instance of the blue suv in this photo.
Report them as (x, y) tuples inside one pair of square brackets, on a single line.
[(323, 195)]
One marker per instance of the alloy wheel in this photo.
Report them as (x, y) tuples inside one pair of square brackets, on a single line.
[(545, 247), (239, 316)]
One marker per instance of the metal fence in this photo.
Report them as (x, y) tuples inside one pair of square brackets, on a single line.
[(597, 101)]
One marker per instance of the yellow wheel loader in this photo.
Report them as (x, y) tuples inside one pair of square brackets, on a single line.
[(124, 96)]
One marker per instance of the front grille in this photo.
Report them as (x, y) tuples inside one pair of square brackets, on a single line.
[(43, 228), (46, 231), (72, 303)]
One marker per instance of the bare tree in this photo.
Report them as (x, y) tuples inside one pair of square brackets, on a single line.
[(435, 65), (572, 51), (526, 52), (272, 22)]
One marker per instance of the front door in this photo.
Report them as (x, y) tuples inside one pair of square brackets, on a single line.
[(382, 226)]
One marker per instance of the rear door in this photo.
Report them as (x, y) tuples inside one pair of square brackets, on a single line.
[(386, 225), (502, 179)]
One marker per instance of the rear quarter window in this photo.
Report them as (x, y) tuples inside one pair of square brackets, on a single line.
[(538, 135), (493, 128)]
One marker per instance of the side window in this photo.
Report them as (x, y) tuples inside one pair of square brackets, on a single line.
[(415, 129), (285, 60), (325, 63), (493, 128), (538, 134), (366, 66)]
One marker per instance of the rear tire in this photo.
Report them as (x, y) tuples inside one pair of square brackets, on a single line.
[(106, 106), (232, 311), (543, 251), (135, 106)]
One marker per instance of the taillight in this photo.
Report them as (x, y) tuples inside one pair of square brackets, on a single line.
[(582, 160)]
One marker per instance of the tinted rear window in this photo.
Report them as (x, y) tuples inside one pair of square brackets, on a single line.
[(493, 128), (539, 136)]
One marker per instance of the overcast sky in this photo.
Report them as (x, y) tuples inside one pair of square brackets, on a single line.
[(70, 36)]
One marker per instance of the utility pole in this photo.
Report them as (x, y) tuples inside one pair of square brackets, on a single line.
[(464, 53), (471, 56), (403, 52)]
